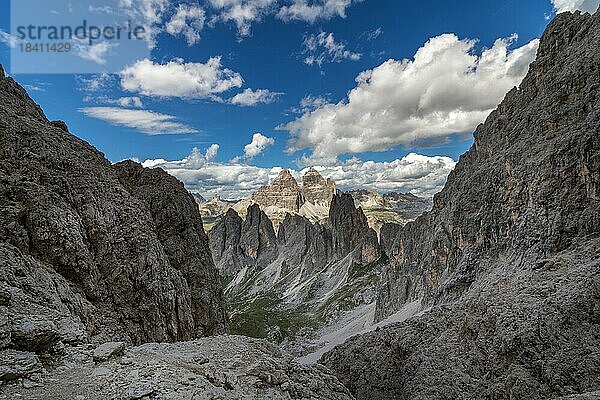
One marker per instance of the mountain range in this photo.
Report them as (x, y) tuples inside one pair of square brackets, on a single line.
[(111, 288), (312, 200)]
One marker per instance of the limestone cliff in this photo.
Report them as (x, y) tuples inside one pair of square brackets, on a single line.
[(91, 252), (505, 269)]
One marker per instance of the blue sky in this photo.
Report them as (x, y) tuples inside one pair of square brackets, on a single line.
[(268, 55)]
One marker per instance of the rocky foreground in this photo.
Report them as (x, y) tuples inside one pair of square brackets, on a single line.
[(506, 267), (223, 367)]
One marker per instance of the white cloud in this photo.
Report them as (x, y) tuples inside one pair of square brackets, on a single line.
[(187, 20), (444, 89), (259, 144), (211, 152), (130, 102), (251, 97), (311, 11), (590, 6), (134, 101), (310, 103), (8, 39), (179, 79), (374, 34), (323, 47), (148, 13), (94, 83), (149, 122), (242, 12), (96, 52), (420, 175)]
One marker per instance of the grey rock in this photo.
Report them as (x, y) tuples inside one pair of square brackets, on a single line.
[(107, 350), (224, 240), (287, 286), (317, 189), (506, 267), (91, 251), (350, 230), (225, 367), (139, 390), (179, 227), (258, 240), (16, 364), (34, 333), (387, 236)]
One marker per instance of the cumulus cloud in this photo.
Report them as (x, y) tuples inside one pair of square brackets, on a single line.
[(322, 48), (180, 79), (311, 11), (187, 20), (251, 97), (148, 122), (417, 174), (590, 6), (445, 89), (259, 144), (242, 12)]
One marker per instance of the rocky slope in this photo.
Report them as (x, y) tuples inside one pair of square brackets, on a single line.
[(91, 252), (506, 267), (224, 367), (304, 277)]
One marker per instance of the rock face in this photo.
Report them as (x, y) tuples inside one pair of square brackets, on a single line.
[(91, 252), (350, 230), (226, 367), (305, 277), (284, 192), (316, 189), (179, 228), (506, 267)]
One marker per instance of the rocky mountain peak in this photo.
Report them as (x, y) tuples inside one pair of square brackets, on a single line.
[(317, 189), (284, 192), (285, 179), (351, 229)]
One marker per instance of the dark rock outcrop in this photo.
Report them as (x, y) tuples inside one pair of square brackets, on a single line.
[(236, 243), (258, 240), (508, 259), (350, 230), (90, 251), (179, 227), (387, 236)]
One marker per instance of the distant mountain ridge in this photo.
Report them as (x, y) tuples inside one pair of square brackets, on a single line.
[(312, 200)]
